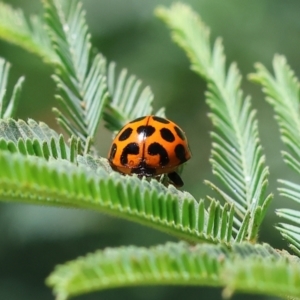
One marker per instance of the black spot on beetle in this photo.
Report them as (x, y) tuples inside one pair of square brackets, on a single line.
[(131, 148), (167, 135), (146, 130), (113, 151), (125, 134), (138, 119), (180, 153), (161, 120), (179, 133), (158, 149)]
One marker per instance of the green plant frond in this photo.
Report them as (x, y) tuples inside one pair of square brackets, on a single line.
[(290, 232), (98, 165), (290, 190), (181, 264), (282, 92), (36, 139), (263, 274), (29, 34), (92, 185), (289, 214), (132, 266), (80, 76), (128, 101), (237, 157), (8, 106)]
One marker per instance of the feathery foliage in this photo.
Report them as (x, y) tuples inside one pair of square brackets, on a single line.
[(126, 89), (36, 139), (180, 264), (282, 92), (37, 166), (80, 77), (29, 34), (127, 101), (8, 106), (237, 157), (265, 272), (96, 187)]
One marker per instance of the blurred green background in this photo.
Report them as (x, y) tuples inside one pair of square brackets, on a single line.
[(34, 239)]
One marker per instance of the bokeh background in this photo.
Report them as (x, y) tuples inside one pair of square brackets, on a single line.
[(34, 239)]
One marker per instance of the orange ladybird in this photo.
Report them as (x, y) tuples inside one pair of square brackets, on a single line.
[(150, 146)]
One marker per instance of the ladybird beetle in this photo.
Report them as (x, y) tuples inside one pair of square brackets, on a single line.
[(150, 146)]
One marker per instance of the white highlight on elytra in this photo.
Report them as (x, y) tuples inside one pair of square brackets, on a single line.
[(141, 137)]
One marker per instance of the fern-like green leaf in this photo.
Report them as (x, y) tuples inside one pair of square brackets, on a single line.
[(8, 106), (28, 33), (167, 264), (290, 232), (128, 102), (181, 264), (150, 204), (282, 92), (266, 272), (237, 157), (86, 78), (83, 95), (36, 139), (80, 76), (93, 185)]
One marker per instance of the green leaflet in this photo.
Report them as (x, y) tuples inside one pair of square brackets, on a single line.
[(29, 33), (237, 157), (92, 185), (51, 172), (127, 102), (268, 272), (181, 264), (36, 139), (8, 106), (282, 92), (80, 76)]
